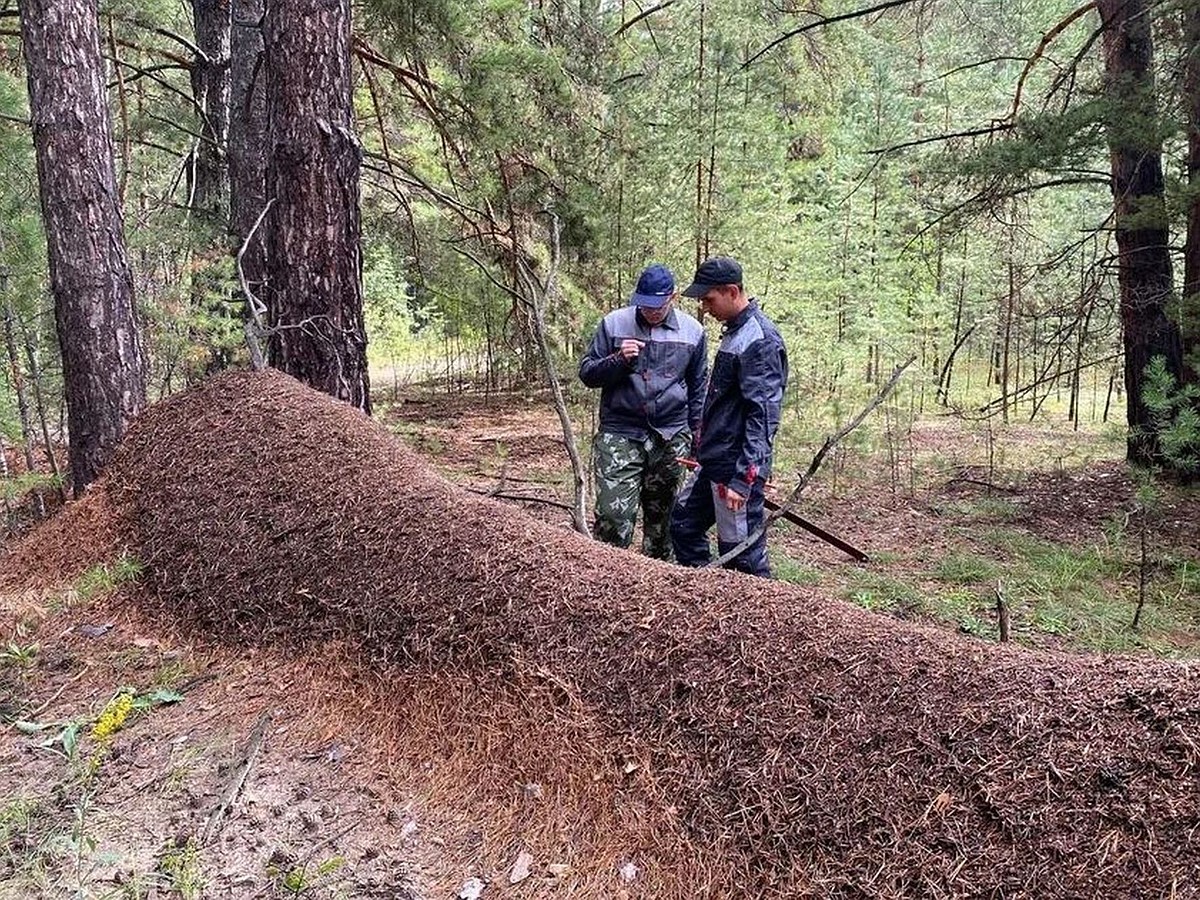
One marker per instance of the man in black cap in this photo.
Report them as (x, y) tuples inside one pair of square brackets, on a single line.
[(649, 361), (740, 416)]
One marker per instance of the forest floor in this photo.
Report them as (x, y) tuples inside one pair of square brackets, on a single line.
[(139, 762), (949, 511)]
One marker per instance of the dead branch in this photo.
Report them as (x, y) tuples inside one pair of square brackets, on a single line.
[(253, 745), (256, 326), (830, 443), (823, 20), (522, 498), (1047, 39), (645, 13)]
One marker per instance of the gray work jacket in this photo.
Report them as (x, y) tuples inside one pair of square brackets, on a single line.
[(662, 388)]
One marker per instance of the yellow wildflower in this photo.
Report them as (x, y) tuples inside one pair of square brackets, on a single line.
[(113, 716)]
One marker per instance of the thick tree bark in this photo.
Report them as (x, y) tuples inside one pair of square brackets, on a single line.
[(314, 248), (210, 88), (1189, 319), (103, 370), (1144, 266), (248, 137)]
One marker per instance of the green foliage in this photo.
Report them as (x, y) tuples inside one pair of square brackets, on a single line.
[(301, 880), (181, 867), (102, 578), (16, 487), (21, 656), (1175, 415)]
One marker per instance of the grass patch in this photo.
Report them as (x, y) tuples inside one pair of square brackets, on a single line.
[(180, 866), (1087, 595), (104, 578), (881, 593), (983, 510), (964, 568), (784, 568), (965, 609)]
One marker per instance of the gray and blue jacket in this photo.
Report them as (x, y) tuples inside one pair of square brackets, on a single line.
[(744, 401), (662, 388)]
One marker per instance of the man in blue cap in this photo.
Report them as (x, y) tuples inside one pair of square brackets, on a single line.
[(650, 362), (740, 416)]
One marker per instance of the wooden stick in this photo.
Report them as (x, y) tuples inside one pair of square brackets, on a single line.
[(818, 531), (235, 786), (1002, 612)]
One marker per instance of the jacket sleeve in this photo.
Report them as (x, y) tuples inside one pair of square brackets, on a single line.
[(763, 375), (599, 367), (697, 380)]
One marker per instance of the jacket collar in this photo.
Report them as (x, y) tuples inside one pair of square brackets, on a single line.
[(741, 318)]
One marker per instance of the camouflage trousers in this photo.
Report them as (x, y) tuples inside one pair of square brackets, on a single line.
[(632, 473)]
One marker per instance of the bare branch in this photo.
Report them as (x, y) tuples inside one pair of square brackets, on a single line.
[(972, 132), (1047, 39), (256, 327), (824, 20), (642, 15)]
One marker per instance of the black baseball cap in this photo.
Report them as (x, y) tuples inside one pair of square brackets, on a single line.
[(715, 272)]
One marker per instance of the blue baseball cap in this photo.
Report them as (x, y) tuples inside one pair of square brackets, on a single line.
[(715, 272), (655, 288)]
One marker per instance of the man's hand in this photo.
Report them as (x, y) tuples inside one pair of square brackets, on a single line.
[(630, 349), (733, 500)]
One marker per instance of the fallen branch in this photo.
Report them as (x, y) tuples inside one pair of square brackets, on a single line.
[(524, 498), (830, 443), (991, 486), (235, 786)]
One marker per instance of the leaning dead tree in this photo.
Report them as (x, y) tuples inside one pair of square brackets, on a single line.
[(531, 294), (538, 292)]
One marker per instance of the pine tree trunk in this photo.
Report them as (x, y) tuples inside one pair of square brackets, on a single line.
[(313, 246), (247, 151), (1143, 242), (247, 134), (211, 90), (103, 370), (1189, 318)]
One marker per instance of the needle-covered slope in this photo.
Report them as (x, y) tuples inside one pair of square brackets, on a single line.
[(833, 752)]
